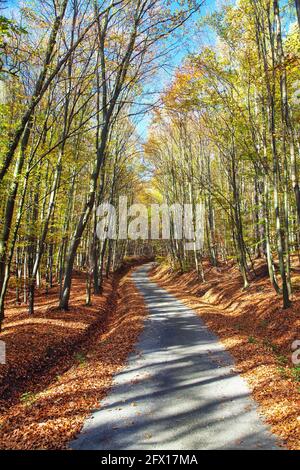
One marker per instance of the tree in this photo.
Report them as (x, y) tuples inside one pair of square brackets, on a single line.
[(241, 150)]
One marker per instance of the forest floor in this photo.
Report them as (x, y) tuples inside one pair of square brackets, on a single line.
[(255, 330), (61, 364)]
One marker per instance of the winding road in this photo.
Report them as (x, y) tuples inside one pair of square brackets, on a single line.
[(178, 391)]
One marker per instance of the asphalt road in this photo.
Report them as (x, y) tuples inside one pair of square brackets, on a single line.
[(178, 391)]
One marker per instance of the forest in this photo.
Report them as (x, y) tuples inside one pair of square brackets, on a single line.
[(164, 102)]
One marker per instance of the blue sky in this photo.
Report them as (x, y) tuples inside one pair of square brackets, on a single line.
[(192, 40)]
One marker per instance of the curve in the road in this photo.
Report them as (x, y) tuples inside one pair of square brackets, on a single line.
[(178, 390)]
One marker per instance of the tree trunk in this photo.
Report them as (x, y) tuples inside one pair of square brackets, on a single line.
[(37, 92), (297, 3)]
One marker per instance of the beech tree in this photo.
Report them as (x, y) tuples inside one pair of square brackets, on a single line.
[(71, 74), (243, 144)]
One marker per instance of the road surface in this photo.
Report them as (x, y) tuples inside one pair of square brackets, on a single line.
[(178, 391)]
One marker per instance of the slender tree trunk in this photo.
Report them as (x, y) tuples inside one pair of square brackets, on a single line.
[(297, 3), (286, 132), (240, 245), (37, 92), (10, 203)]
